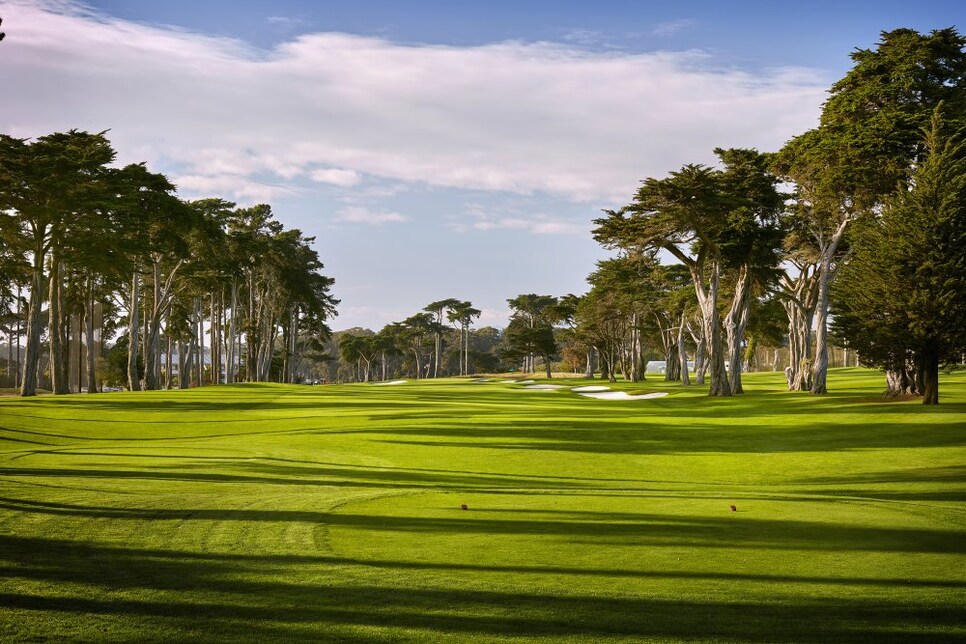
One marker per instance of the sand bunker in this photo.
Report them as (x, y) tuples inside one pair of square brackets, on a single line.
[(480, 380), (545, 387), (623, 395), (388, 382), (590, 388), (523, 382)]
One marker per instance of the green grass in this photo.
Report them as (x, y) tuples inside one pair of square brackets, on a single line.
[(270, 512)]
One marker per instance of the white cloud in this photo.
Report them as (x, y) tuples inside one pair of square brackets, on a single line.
[(359, 215), (336, 177), (515, 117), (482, 220), (229, 186), (558, 228)]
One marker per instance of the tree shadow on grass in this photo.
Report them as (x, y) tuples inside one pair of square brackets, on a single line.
[(627, 528), (250, 471), (250, 598), (84, 434), (99, 411), (938, 474), (610, 437)]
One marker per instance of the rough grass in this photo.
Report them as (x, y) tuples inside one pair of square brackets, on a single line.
[(269, 512)]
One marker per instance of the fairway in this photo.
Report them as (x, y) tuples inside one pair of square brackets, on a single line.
[(276, 512)]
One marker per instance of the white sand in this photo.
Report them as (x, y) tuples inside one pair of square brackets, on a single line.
[(509, 382), (389, 382), (547, 387), (523, 382), (590, 388), (480, 380), (623, 395)]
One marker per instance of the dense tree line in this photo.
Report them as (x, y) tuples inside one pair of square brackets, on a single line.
[(852, 231), (877, 200), (203, 289), (431, 343)]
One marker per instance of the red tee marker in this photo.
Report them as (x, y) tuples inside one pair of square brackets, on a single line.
[(734, 508), (463, 507)]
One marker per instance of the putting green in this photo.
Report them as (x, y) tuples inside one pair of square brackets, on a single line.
[(271, 512)]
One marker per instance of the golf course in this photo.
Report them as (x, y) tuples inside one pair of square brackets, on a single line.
[(481, 510)]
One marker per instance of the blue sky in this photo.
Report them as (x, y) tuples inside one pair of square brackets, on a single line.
[(435, 149)]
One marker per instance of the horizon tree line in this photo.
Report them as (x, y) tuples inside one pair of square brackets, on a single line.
[(853, 231)]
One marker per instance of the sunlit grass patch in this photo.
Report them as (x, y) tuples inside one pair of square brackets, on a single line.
[(271, 512)]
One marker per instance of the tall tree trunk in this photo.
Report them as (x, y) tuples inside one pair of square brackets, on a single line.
[(89, 337), (711, 321), (55, 329), (217, 340), (439, 344), (232, 330), (134, 327), (672, 357), (462, 330), (603, 363), (16, 372), (716, 364), (168, 376), (151, 358), (820, 369), (700, 363), (799, 300), (928, 365), (634, 346), (31, 363), (212, 346), (293, 343), (469, 367), (735, 322), (184, 364), (672, 361), (72, 331), (200, 333), (700, 367), (10, 369), (683, 355), (269, 332), (251, 333), (156, 318), (799, 368), (223, 347), (820, 365), (623, 362), (182, 352), (286, 348)]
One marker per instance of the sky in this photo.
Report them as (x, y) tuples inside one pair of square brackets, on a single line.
[(434, 149)]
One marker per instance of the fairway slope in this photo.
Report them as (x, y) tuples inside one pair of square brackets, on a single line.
[(437, 511)]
